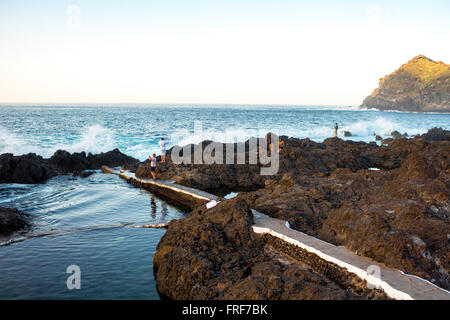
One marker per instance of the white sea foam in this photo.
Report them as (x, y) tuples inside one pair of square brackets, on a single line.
[(361, 129), (140, 151), (229, 135), (95, 139), (10, 143)]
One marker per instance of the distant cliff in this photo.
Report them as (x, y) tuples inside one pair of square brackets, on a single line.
[(421, 85)]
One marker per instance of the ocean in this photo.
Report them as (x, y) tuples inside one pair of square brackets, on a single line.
[(91, 222)]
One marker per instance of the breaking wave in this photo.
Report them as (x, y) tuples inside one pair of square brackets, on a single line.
[(95, 139)]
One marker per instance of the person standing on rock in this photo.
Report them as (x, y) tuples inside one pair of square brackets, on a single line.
[(335, 130), (153, 165), (162, 146)]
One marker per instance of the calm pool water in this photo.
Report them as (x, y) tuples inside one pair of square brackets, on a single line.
[(87, 222)]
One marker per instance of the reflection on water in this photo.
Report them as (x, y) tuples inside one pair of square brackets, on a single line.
[(153, 206), (163, 210), (156, 211)]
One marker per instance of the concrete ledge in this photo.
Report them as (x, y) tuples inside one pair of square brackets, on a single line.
[(188, 197), (394, 283)]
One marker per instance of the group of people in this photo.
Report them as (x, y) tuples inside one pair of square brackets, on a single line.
[(153, 160)]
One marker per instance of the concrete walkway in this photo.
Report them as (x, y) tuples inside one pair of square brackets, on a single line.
[(188, 197), (394, 283)]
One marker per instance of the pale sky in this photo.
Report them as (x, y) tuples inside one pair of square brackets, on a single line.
[(251, 52)]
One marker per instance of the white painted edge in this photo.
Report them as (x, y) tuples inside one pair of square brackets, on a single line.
[(387, 288), (123, 175)]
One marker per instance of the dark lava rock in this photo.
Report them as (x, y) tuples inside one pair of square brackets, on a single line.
[(347, 134), (213, 254), (436, 134), (112, 158), (32, 168), (208, 177), (12, 220), (82, 174), (397, 215), (398, 135), (301, 156), (378, 138), (29, 168)]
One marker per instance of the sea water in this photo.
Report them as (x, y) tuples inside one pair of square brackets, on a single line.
[(91, 222)]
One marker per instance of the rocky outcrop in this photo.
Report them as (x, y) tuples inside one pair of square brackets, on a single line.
[(299, 156), (12, 220), (397, 215), (209, 177), (398, 135), (436, 134), (421, 85), (213, 254), (32, 168)]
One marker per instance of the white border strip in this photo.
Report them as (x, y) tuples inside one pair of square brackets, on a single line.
[(390, 291), (123, 175), (172, 188)]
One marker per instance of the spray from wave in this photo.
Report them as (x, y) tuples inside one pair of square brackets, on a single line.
[(363, 130), (94, 139)]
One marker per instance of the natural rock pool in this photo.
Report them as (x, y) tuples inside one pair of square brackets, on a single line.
[(85, 222)]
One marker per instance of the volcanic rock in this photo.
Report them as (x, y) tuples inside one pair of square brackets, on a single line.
[(11, 220), (213, 254), (32, 168), (421, 85), (397, 215)]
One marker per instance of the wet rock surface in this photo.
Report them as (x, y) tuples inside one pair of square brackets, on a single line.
[(32, 168), (397, 215), (213, 254), (12, 220)]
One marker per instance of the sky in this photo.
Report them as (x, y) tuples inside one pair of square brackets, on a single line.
[(243, 52)]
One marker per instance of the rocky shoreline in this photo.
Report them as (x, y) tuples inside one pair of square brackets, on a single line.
[(397, 214), (389, 203), (32, 168)]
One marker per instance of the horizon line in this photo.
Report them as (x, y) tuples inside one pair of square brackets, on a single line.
[(185, 103)]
